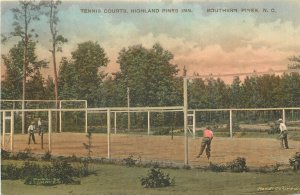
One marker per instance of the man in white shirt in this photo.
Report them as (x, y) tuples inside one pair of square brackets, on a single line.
[(283, 134), (31, 129)]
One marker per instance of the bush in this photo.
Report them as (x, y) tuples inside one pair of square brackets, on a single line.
[(217, 167), (129, 161), (34, 174), (26, 154), (31, 170), (47, 156), (4, 154), (238, 165), (10, 171), (156, 178), (295, 161), (63, 171)]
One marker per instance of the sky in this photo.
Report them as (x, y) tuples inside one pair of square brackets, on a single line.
[(244, 36)]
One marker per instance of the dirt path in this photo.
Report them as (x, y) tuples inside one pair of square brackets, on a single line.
[(257, 151)]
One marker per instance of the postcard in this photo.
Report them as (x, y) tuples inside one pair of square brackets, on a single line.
[(150, 97)]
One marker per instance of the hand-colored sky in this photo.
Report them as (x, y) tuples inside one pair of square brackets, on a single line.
[(203, 42)]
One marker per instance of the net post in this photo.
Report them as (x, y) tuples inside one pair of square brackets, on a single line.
[(148, 122), (49, 130), (23, 117), (283, 115), (115, 122), (185, 109), (128, 108), (230, 122), (12, 127), (194, 123), (3, 128), (108, 133)]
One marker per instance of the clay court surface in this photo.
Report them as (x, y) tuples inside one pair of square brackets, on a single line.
[(257, 151)]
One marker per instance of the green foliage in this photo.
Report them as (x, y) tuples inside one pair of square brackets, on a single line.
[(295, 62), (47, 156), (13, 61), (10, 171), (156, 179), (295, 161), (269, 169), (31, 169), (59, 172), (80, 77), (238, 165), (149, 74), (162, 131), (130, 161), (217, 167), (63, 171), (24, 155), (4, 154)]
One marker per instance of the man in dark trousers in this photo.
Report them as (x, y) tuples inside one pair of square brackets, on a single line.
[(41, 132), (206, 142), (283, 134), (31, 129)]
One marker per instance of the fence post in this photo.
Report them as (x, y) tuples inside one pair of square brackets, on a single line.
[(230, 122), (3, 128), (185, 109), (108, 133), (148, 122), (115, 119), (12, 128), (194, 123), (283, 115), (23, 117), (49, 130)]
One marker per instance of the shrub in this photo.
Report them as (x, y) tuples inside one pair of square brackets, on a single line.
[(4, 154), (295, 161), (217, 167), (10, 171), (47, 156), (26, 154), (63, 171), (34, 174), (129, 161), (31, 169), (238, 165), (156, 178)]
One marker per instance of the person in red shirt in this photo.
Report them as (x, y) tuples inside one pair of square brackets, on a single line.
[(206, 142)]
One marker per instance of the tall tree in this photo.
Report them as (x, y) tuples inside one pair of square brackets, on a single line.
[(57, 40), (24, 15), (12, 83), (51, 11), (235, 93), (295, 62), (81, 77), (149, 74)]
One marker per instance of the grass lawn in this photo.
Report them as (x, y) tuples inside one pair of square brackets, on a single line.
[(121, 180)]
